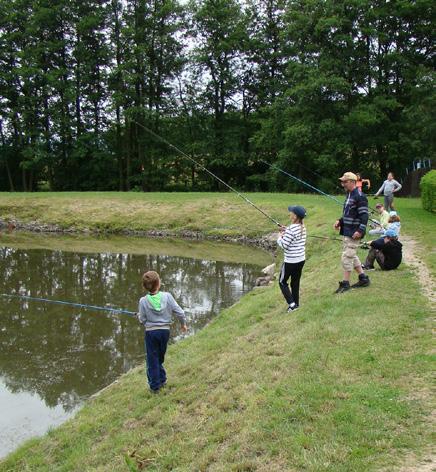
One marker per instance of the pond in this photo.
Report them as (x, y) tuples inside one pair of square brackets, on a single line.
[(54, 357)]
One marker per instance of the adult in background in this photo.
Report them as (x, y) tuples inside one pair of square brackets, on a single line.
[(383, 222), (389, 187), (386, 251), (352, 226)]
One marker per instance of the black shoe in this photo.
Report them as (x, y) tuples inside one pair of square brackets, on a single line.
[(363, 281), (367, 268), (343, 286)]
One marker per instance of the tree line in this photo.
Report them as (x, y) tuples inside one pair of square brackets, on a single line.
[(314, 86)]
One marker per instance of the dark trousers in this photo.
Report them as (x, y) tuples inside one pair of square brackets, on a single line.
[(292, 271), (155, 347), (375, 255)]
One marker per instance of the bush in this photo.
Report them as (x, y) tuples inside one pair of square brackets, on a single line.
[(428, 191)]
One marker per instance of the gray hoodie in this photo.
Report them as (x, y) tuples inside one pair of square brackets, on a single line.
[(388, 187), (152, 318)]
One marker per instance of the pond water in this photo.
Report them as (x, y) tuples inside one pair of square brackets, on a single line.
[(54, 357)]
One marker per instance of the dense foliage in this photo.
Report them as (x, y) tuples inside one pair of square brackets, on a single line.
[(428, 191), (315, 86)]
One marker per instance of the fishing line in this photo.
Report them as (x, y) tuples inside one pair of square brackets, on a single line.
[(302, 182), (207, 170), (79, 305), (313, 188), (160, 138)]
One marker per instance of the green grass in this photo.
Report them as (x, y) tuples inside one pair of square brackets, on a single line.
[(420, 224), (211, 213), (341, 385)]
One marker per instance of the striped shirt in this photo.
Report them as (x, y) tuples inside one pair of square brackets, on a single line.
[(293, 242)]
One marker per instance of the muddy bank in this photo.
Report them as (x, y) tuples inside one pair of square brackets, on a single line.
[(267, 242)]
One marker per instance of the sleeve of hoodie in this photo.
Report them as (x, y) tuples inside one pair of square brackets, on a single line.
[(380, 190), (397, 185), (177, 310), (142, 316), (363, 213)]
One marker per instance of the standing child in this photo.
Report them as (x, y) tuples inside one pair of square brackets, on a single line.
[(155, 313), (293, 241), (389, 187), (360, 182)]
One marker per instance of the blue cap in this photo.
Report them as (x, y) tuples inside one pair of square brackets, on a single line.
[(298, 210), (393, 213), (390, 233)]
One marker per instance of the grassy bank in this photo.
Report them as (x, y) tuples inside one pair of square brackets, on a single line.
[(210, 213), (220, 214), (341, 385)]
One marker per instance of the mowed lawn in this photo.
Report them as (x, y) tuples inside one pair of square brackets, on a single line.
[(344, 384)]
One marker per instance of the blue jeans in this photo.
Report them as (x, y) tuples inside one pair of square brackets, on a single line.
[(155, 347)]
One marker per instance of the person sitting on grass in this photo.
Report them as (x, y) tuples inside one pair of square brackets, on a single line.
[(387, 251), (394, 222), (155, 313), (292, 240), (384, 220)]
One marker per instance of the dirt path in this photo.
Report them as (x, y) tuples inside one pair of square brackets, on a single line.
[(427, 283), (412, 259)]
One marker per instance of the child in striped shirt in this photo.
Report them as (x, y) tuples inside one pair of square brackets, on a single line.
[(292, 240)]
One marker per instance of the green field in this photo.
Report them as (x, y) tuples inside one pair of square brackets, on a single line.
[(344, 384)]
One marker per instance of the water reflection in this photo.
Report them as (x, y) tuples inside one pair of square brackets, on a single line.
[(63, 354)]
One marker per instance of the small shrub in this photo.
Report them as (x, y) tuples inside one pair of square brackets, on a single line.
[(428, 191)]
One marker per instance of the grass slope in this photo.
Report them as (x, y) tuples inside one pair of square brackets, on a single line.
[(341, 385)]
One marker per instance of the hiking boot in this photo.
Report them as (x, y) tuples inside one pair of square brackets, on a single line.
[(293, 307), (343, 286), (363, 281)]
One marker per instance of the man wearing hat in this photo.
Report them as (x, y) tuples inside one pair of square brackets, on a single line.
[(386, 251), (352, 226), (384, 220)]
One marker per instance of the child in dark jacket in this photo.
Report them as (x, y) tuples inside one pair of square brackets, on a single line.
[(386, 251), (155, 313)]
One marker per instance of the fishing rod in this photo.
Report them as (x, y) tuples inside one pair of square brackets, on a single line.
[(302, 182), (312, 187), (206, 170), (160, 138), (78, 305)]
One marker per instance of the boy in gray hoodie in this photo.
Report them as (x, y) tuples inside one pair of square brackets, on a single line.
[(155, 313)]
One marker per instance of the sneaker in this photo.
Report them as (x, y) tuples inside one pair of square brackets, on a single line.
[(292, 307), (367, 268), (363, 281), (343, 286)]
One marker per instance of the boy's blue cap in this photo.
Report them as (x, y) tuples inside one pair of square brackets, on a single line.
[(390, 233), (298, 210)]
